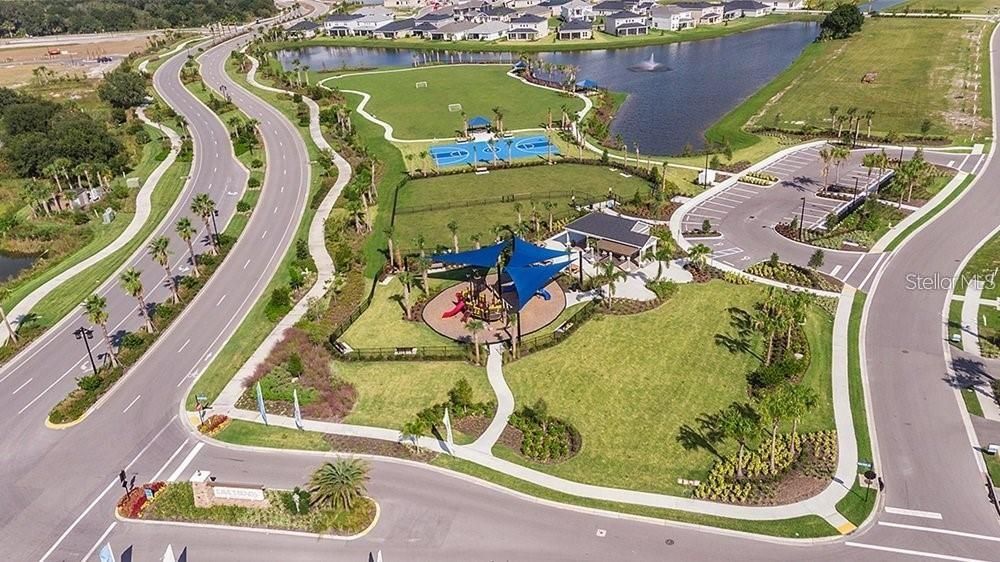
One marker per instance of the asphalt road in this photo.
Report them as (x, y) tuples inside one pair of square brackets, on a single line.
[(63, 486)]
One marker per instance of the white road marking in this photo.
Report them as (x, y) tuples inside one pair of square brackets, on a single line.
[(16, 390), (48, 388), (913, 552), (282, 189), (185, 344), (862, 284), (107, 532), (220, 300), (263, 235), (941, 531), (911, 512), (169, 460), (246, 264), (132, 403), (111, 485), (835, 270), (184, 463), (275, 211), (855, 266), (602, 533)]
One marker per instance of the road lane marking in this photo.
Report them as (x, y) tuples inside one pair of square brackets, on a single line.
[(111, 485), (220, 300), (185, 344), (263, 234), (862, 284), (170, 459), (184, 463), (86, 557), (912, 512), (853, 267), (246, 264), (275, 211), (941, 531), (912, 552), (132, 403), (22, 386), (48, 388), (835, 270)]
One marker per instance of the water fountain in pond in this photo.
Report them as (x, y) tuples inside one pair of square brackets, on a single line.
[(649, 66)]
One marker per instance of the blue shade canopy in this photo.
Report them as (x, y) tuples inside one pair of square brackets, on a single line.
[(587, 84), (528, 280), (484, 257), (479, 121), (526, 253)]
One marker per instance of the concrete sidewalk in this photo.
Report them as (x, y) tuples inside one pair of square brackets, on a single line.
[(317, 248), (505, 401), (970, 318)]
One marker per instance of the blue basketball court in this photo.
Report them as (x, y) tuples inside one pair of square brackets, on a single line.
[(482, 152)]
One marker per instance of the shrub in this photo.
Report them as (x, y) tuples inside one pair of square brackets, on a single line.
[(89, 383), (133, 503), (279, 303), (294, 365), (253, 183), (461, 394), (663, 289), (132, 340), (243, 206), (213, 424), (288, 500)]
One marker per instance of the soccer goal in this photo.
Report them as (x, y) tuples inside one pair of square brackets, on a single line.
[(454, 107), (421, 84)]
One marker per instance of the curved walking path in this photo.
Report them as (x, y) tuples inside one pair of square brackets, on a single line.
[(317, 248), (505, 401)]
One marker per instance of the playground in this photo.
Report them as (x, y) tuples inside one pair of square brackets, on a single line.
[(507, 150), (509, 287)]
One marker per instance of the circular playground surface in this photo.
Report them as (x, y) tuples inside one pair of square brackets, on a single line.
[(445, 317)]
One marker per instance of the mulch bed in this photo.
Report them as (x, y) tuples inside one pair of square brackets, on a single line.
[(699, 274), (366, 446), (624, 307), (474, 426)]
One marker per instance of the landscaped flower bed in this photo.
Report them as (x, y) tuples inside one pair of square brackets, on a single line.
[(213, 425), (545, 438), (135, 501), (795, 275), (759, 178)]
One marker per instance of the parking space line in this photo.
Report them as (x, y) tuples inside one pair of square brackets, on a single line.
[(912, 552), (899, 510), (855, 266), (835, 270), (862, 284), (940, 531)]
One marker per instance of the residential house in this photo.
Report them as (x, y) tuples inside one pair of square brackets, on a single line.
[(395, 29), (495, 13), (304, 28), (786, 4), (488, 31), (554, 6), (453, 31), (528, 28), (672, 17), (609, 7), (404, 4), (703, 12), (625, 23), (576, 29), (423, 29), (436, 19), (375, 11), (468, 10), (365, 25), (538, 10), (521, 4), (576, 10), (340, 25)]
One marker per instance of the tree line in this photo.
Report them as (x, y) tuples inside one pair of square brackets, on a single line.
[(49, 17)]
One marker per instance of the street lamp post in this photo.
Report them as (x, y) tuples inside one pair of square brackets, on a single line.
[(215, 226), (855, 189), (86, 335), (802, 218)]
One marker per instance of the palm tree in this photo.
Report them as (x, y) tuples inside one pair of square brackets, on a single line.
[(406, 278), (869, 115), (768, 323), (203, 206), (131, 280), (826, 154), (424, 265), (660, 254), (801, 400), (840, 154), (498, 113), (453, 228), (4, 295), (186, 231), (389, 246), (95, 307), (159, 250), (741, 424), (517, 209), (339, 484), (833, 116), (549, 206), (39, 194), (475, 327), (476, 237), (698, 255), (773, 407), (610, 274), (851, 112)]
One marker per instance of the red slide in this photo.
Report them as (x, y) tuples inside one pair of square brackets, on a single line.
[(459, 307)]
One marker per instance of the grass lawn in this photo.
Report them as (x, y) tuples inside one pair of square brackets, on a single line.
[(239, 432), (542, 183), (628, 384), (930, 215), (914, 83), (983, 263), (383, 325), (993, 467), (948, 6), (972, 402), (391, 393), (955, 322), (421, 113)]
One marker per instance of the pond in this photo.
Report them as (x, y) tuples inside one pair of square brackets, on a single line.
[(694, 83), (11, 265)]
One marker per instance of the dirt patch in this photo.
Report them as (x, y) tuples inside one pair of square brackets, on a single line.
[(366, 446), (17, 64)]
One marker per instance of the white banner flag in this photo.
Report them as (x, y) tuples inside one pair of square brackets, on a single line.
[(260, 404), (106, 554), (295, 408), (447, 428), (168, 555)]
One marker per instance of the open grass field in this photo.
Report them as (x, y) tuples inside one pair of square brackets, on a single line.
[(422, 113), (536, 183), (913, 82), (947, 6), (983, 265), (391, 393), (383, 325), (628, 384)]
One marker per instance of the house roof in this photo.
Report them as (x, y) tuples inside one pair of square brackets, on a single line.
[(435, 16), (528, 18), (373, 10), (304, 25), (458, 26), (479, 121), (623, 15), (336, 18), (744, 5), (424, 27), (523, 31), (668, 10), (576, 25), (631, 232), (697, 5), (398, 25), (490, 27), (551, 3), (608, 5), (630, 25)]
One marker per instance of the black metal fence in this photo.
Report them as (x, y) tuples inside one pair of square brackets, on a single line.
[(456, 352), (532, 344)]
